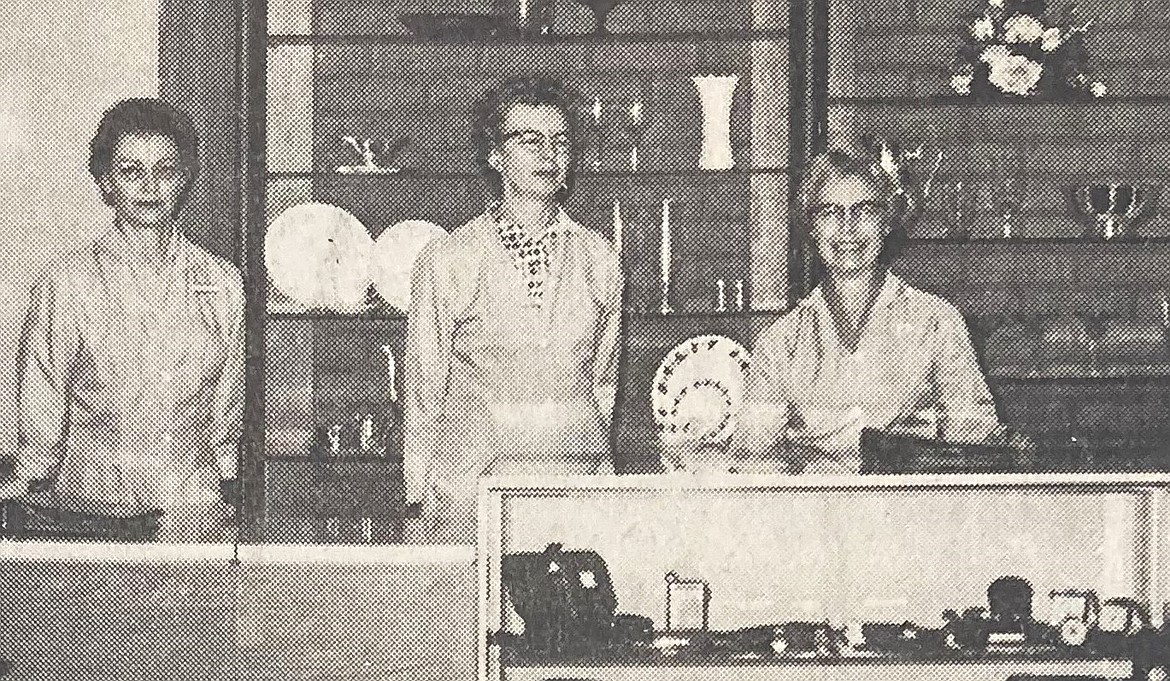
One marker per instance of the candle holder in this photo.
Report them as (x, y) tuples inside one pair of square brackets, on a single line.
[(715, 96)]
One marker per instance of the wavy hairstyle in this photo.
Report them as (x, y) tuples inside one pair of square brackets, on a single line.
[(151, 117), (493, 108), (856, 162)]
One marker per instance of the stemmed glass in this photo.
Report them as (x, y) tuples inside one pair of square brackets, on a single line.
[(600, 9)]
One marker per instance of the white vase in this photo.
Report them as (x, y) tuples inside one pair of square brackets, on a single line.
[(715, 94)]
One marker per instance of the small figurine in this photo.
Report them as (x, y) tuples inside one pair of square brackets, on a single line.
[(370, 150)]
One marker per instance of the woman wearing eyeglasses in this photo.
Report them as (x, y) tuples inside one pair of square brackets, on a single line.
[(512, 333), (864, 349), (131, 361)]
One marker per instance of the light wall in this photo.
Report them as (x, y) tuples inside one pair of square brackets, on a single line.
[(62, 64)]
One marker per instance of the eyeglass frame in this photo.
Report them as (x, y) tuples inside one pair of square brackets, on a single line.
[(851, 214), (544, 141)]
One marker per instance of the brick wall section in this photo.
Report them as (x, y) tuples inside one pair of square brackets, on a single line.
[(425, 91), (1030, 156)]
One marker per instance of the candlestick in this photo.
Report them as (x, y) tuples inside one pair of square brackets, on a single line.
[(722, 305), (617, 226), (739, 294), (635, 132), (664, 258), (598, 109)]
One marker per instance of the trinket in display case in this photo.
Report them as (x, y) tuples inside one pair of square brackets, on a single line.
[(688, 603)]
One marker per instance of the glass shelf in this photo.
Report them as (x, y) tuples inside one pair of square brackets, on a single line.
[(956, 101), (1021, 241), (1121, 375), (587, 175), (683, 37)]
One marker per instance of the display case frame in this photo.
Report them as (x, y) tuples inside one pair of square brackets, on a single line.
[(1141, 560)]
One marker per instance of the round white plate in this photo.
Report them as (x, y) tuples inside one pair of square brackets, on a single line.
[(699, 388), (319, 255), (394, 255)]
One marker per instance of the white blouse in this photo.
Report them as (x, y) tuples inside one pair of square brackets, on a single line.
[(913, 364)]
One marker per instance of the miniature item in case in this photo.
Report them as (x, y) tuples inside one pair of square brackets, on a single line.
[(567, 602), (688, 603)]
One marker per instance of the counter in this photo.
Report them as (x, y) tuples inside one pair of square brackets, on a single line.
[(221, 611), (882, 548)]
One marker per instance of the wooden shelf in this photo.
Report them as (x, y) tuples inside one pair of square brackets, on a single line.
[(682, 37)]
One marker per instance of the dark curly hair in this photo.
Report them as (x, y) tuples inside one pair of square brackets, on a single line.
[(865, 165), (493, 108), (145, 116)]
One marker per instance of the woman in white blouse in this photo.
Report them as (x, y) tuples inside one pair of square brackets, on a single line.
[(864, 349), (512, 332), (132, 358)]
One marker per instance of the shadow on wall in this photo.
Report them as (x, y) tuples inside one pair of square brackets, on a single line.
[(61, 69)]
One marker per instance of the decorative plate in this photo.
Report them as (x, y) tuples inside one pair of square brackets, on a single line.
[(699, 387), (395, 252), (318, 255)]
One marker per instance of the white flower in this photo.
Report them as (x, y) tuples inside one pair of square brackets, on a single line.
[(994, 54), (1051, 40), (1098, 89), (1015, 74), (1022, 28), (983, 29), (888, 165), (961, 84)]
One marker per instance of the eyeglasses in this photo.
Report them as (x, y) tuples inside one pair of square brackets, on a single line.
[(135, 172), (535, 142), (867, 213)]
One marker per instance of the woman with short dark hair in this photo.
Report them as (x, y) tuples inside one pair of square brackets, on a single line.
[(512, 333), (131, 359), (864, 349)]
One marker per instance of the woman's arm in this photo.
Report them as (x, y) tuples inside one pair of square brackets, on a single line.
[(605, 363), (962, 389), (430, 328), (227, 411), (49, 343), (764, 416)]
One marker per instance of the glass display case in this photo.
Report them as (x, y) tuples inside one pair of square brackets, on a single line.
[(880, 566)]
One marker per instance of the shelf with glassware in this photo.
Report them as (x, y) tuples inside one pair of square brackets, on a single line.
[(685, 589), (740, 36)]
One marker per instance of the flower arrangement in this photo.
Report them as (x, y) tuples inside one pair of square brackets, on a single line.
[(1013, 49)]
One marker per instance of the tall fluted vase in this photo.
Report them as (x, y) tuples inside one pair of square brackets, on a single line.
[(715, 93)]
